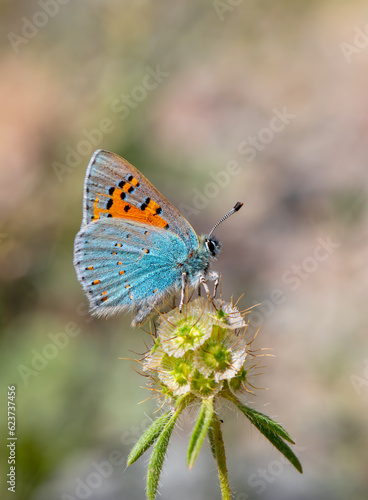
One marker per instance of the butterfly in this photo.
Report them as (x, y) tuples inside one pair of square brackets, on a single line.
[(134, 248)]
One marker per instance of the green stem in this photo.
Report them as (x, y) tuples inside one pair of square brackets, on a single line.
[(221, 458)]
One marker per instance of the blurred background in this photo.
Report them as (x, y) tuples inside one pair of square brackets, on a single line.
[(258, 101)]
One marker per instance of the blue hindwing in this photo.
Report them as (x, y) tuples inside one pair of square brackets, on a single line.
[(123, 264)]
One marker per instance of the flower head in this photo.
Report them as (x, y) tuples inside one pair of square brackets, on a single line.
[(199, 349)]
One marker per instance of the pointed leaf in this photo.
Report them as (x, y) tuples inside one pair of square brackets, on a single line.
[(200, 430), (158, 456), (272, 431), (265, 421), (148, 438)]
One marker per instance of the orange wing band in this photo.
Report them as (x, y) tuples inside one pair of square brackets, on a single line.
[(117, 207)]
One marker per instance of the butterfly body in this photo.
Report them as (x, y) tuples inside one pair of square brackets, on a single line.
[(134, 248)]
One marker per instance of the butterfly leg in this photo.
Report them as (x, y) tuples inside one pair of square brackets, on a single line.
[(215, 277), (182, 297), (203, 281), (215, 286)]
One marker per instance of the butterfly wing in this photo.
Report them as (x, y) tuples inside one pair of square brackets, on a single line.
[(125, 265), (114, 188)]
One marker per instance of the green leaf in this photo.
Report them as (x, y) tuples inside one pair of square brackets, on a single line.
[(272, 431), (200, 430), (267, 422), (158, 455), (148, 438)]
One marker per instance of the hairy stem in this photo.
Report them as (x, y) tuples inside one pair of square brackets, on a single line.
[(218, 443)]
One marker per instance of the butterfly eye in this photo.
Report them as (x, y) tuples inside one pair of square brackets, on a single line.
[(213, 246), (210, 247)]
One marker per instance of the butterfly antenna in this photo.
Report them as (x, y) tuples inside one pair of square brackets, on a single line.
[(232, 211)]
